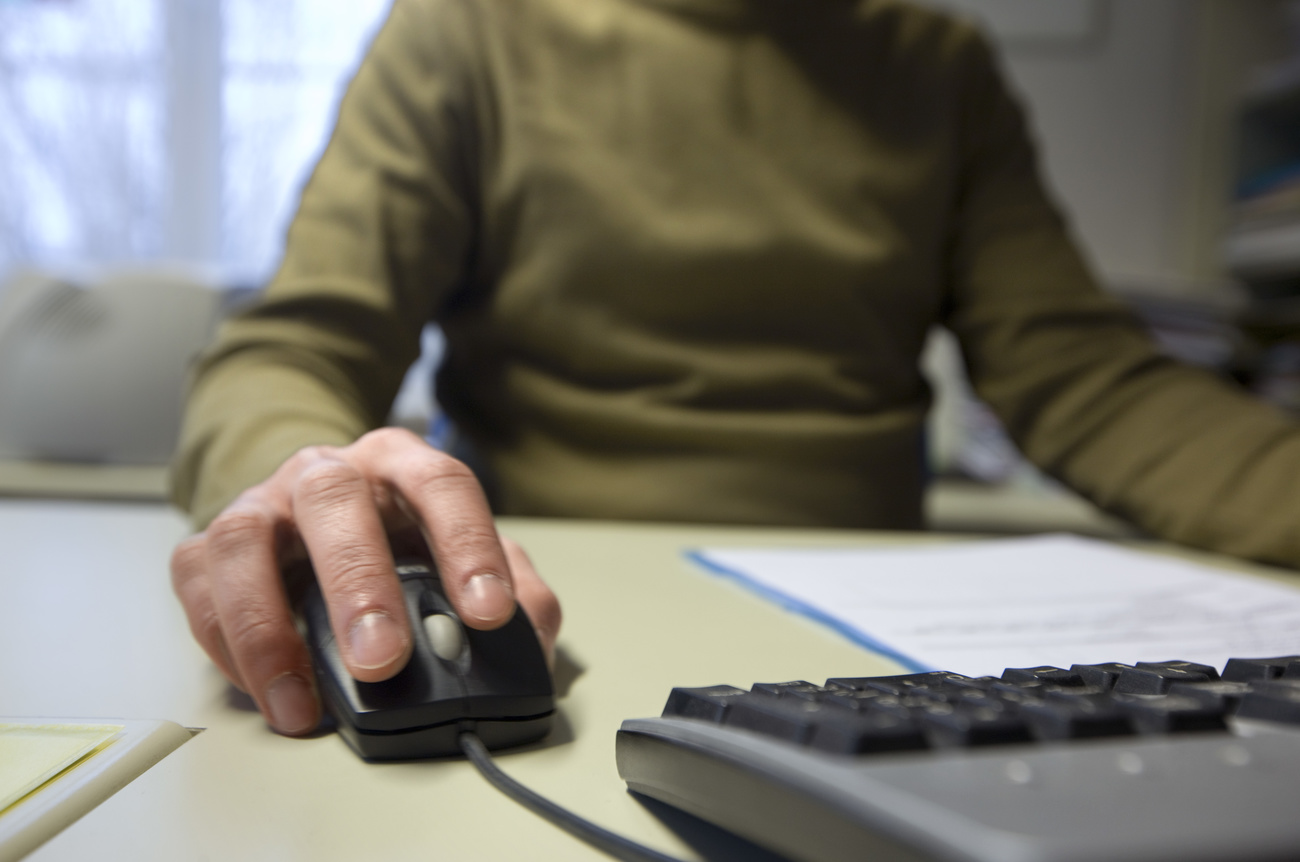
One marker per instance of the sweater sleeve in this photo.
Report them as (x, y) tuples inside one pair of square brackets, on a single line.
[(379, 240), (1077, 380)]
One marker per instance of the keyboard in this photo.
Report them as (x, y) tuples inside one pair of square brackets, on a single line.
[(1111, 762)]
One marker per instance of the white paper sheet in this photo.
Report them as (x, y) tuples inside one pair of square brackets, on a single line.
[(979, 607)]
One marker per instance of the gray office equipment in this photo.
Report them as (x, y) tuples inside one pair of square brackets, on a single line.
[(1142, 768), (96, 374)]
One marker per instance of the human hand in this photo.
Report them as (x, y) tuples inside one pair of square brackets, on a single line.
[(346, 509)]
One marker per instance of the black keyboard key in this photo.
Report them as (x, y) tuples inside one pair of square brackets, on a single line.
[(1077, 716), (783, 718), (1043, 673), (855, 701), (1075, 692), (873, 732), (826, 727), (953, 727), (907, 683), (1190, 667), (904, 706), (800, 690), (982, 683), (1100, 675), (709, 703), (980, 699), (973, 696), (850, 683), (1276, 701), (1172, 713), (1257, 669), (1023, 692), (1225, 695), (1156, 677)]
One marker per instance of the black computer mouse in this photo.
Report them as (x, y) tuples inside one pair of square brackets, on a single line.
[(495, 683)]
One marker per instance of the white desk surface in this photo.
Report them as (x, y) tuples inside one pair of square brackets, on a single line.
[(89, 627)]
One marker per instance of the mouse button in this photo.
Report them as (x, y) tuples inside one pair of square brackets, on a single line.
[(507, 673), (420, 695), (496, 704)]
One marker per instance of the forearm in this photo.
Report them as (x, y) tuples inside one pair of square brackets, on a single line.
[(1192, 460), (1078, 382), (1174, 449)]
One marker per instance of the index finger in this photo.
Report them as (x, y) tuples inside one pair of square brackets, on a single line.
[(443, 495), (334, 512)]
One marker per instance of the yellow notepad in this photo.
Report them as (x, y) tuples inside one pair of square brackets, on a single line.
[(54, 770), (32, 754)]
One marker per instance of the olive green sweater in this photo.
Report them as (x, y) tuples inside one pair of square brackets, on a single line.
[(685, 254)]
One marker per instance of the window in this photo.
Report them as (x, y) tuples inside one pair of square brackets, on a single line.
[(176, 130)]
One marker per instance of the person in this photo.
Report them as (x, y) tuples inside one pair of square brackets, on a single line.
[(685, 254)]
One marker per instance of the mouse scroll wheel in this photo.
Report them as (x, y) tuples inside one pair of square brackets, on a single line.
[(445, 636)]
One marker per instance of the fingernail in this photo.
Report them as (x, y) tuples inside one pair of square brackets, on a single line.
[(375, 640), (292, 704), (488, 598)]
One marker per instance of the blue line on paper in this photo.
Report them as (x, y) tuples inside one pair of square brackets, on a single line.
[(790, 603)]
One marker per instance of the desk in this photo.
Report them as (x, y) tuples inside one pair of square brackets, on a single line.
[(88, 627)]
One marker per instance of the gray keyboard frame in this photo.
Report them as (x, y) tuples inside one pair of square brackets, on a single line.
[(1196, 797)]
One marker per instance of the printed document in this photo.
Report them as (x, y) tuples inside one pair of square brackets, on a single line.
[(978, 607)]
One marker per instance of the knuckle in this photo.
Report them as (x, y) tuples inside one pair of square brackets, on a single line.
[(287, 475), (471, 541), (387, 436), (187, 561), (185, 585), (327, 481), (207, 631), (429, 472), (308, 455), (239, 526), (355, 574), (256, 634), (196, 601)]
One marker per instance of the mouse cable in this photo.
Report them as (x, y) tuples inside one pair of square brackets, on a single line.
[(598, 837)]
